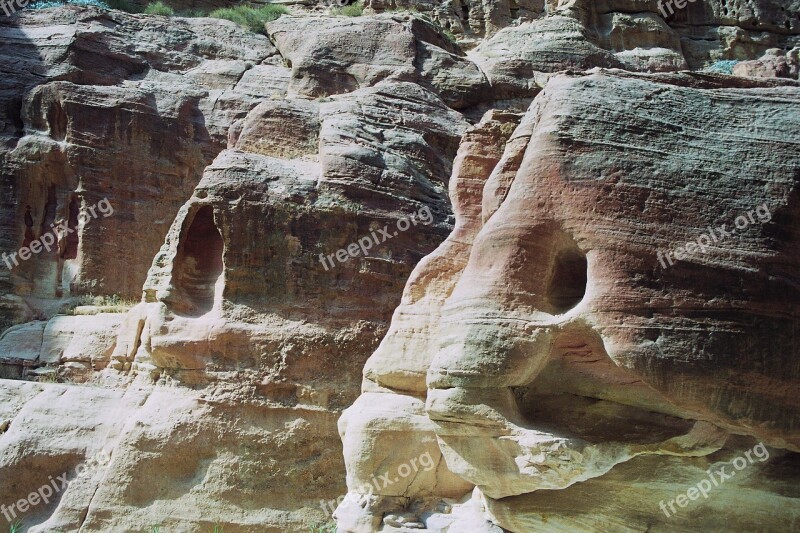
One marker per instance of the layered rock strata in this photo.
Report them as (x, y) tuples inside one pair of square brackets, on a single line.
[(588, 317)]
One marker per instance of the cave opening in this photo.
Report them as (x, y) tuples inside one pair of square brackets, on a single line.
[(199, 264), (568, 281)]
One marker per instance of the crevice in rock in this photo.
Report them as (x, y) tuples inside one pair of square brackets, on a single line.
[(72, 243), (57, 120), (49, 213), (199, 264)]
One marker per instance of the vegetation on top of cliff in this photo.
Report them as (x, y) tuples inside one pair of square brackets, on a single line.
[(248, 17), (353, 10), (253, 19), (159, 8)]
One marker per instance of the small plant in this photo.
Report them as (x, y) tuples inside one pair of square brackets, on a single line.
[(353, 10), (253, 19), (155, 529), (450, 36), (447, 33), (330, 527), (159, 8), (218, 529), (48, 377), (113, 303), (15, 527)]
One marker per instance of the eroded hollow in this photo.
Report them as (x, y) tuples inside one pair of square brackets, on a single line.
[(73, 240), (198, 265), (568, 278)]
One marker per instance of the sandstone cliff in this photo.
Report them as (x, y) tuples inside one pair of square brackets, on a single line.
[(477, 215)]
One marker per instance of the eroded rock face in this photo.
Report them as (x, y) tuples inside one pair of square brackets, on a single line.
[(237, 298), (104, 106), (470, 18), (252, 242), (258, 186), (333, 56), (774, 64), (569, 335)]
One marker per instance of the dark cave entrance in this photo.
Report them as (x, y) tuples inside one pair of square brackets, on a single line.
[(199, 264), (568, 280)]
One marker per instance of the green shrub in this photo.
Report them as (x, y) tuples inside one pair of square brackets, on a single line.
[(159, 8), (108, 304), (447, 33), (353, 10), (250, 18)]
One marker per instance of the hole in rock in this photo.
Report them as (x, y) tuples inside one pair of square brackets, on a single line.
[(57, 120), (465, 13), (199, 264), (567, 285), (71, 248)]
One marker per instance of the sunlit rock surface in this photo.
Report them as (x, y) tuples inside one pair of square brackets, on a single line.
[(241, 212), (570, 334)]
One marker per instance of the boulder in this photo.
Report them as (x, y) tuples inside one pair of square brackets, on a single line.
[(333, 56)]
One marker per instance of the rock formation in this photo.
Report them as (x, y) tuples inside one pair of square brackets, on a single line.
[(564, 331), (550, 247)]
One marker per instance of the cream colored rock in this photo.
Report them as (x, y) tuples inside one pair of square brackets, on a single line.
[(642, 42), (373, 426), (415, 323), (550, 368), (88, 339)]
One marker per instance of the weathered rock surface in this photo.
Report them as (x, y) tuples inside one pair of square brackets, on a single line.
[(271, 197), (470, 18), (237, 299), (558, 341), (333, 56), (774, 64), (104, 105)]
